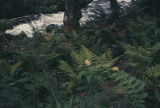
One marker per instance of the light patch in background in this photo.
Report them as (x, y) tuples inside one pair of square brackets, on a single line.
[(40, 24), (56, 19)]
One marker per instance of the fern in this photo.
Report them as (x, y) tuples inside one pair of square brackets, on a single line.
[(142, 31), (88, 69), (77, 58), (93, 101), (131, 88), (93, 69), (9, 78), (86, 54), (4, 68), (143, 62), (153, 73), (141, 57)]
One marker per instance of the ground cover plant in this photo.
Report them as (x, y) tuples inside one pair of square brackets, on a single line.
[(111, 66)]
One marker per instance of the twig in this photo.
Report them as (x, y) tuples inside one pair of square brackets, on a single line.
[(49, 84), (46, 76)]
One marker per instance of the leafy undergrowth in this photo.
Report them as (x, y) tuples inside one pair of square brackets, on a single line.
[(97, 69)]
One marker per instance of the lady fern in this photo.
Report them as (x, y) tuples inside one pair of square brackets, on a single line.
[(90, 69), (133, 90)]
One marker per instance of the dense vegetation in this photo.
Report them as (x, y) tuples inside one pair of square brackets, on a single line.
[(18, 8), (110, 62)]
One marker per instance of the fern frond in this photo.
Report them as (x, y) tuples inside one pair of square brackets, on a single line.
[(66, 68), (15, 67), (105, 60), (4, 68), (88, 54), (77, 58), (153, 72), (131, 87)]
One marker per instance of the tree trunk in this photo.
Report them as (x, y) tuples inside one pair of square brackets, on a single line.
[(73, 14), (114, 6)]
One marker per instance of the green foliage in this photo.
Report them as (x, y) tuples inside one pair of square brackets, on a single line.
[(82, 70), (141, 57), (14, 83), (51, 69), (69, 105), (131, 89), (102, 40), (153, 73), (88, 67), (87, 76), (18, 8), (143, 32), (27, 81), (149, 6), (132, 94)]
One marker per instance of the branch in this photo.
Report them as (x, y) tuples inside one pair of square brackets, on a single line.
[(84, 3)]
